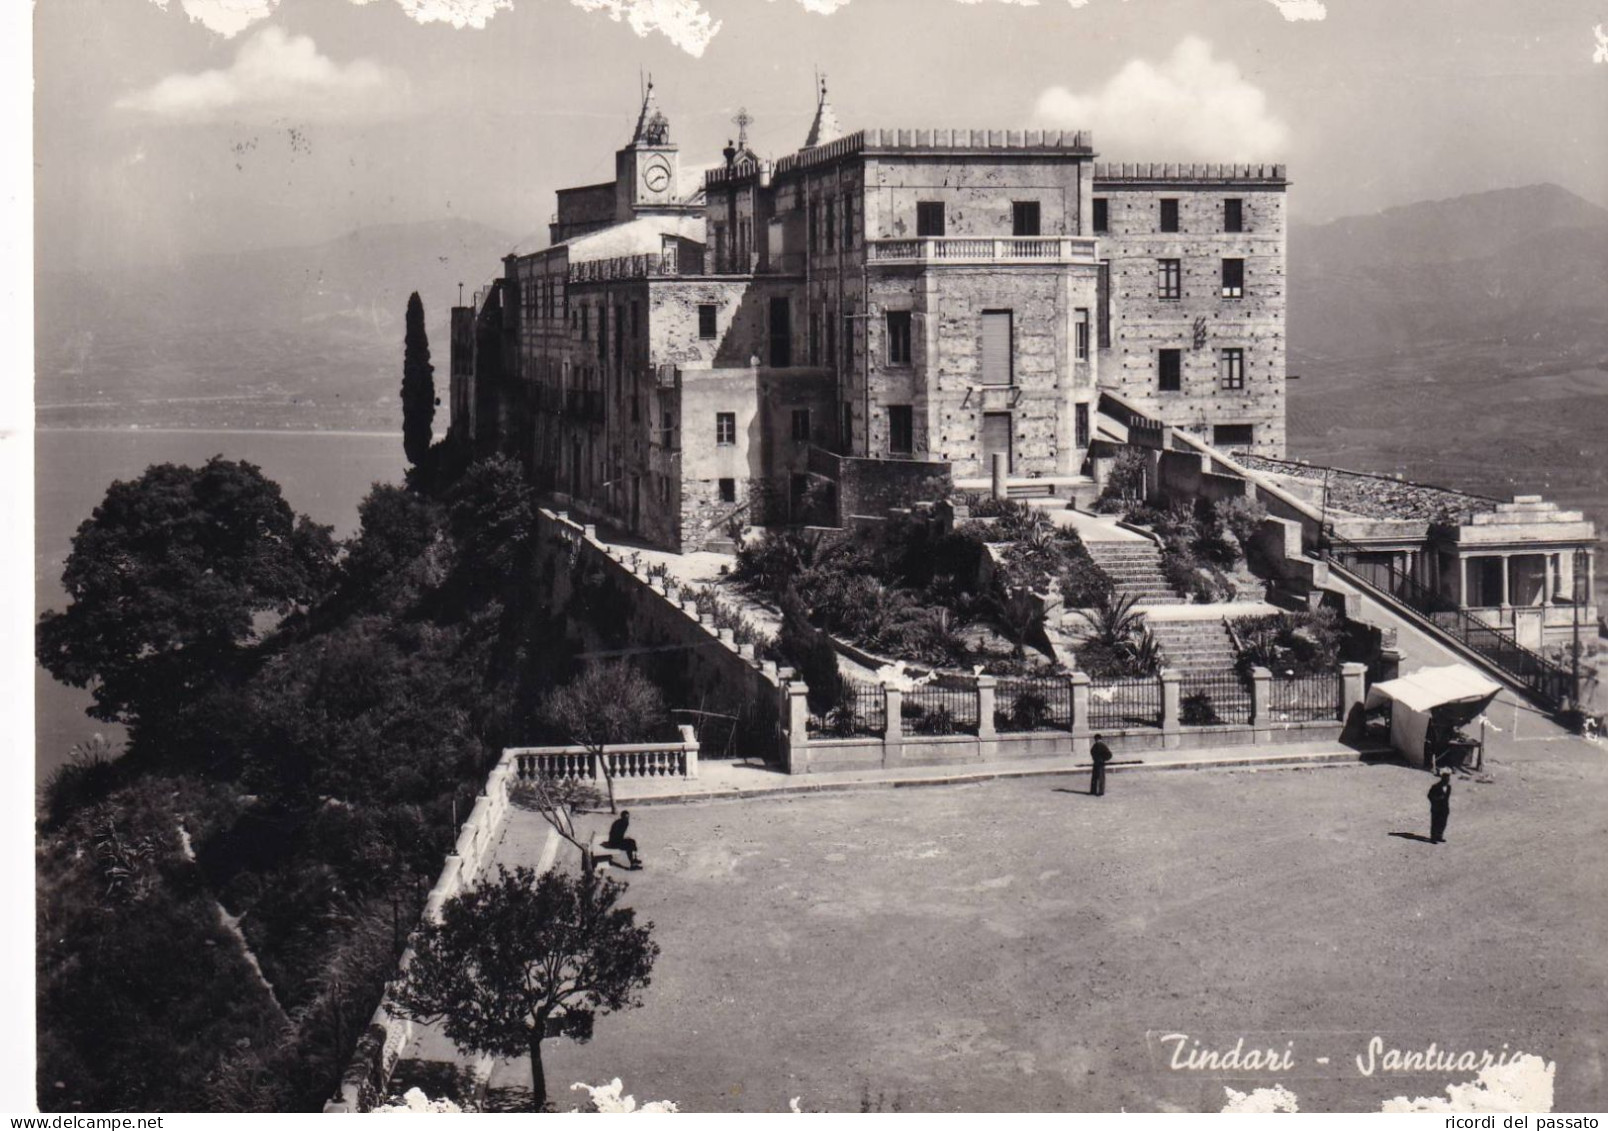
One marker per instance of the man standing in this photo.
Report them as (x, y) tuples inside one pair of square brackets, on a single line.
[(1440, 807), (1101, 753)]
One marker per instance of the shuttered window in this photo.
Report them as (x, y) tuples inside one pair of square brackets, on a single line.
[(996, 347)]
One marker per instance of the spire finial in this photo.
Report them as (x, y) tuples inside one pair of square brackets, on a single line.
[(742, 121), (825, 126)]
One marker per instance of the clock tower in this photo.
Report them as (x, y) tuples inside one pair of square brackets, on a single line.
[(647, 170)]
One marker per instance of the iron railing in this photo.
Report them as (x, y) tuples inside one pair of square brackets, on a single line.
[(1121, 703), (1548, 683), (1304, 699), (861, 710), (1032, 704), (937, 708), (1213, 699)]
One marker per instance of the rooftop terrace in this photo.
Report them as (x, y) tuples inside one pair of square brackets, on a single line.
[(1376, 496)]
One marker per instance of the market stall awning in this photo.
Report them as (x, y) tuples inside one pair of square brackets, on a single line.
[(1434, 687)]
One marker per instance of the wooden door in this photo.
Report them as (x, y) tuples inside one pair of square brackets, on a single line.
[(996, 438)]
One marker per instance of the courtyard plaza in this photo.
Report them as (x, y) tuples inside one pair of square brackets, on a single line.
[(1014, 944)]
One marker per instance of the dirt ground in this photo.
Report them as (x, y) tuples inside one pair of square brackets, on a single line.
[(1021, 946)]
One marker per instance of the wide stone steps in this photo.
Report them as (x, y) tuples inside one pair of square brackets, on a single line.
[(1135, 569), (1195, 647)]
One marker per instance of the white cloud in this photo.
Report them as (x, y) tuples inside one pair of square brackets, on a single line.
[(683, 22), (274, 76), (1189, 107), (1600, 55), (231, 17), (1297, 10)]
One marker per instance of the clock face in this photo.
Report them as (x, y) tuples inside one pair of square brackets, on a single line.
[(656, 176)]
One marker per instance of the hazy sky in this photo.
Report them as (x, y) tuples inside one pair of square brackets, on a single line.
[(166, 127)]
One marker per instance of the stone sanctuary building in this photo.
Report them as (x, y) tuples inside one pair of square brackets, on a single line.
[(865, 314), (880, 314)]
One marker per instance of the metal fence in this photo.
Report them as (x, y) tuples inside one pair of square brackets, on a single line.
[(1032, 704), (1304, 699), (1117, 704), (934, 708), (1213, 699), (861, 710)]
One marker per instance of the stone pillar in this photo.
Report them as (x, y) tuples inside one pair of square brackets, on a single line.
[(893, 733), (1080, 714), (1353, 691), (1462, 573), (1261, 706), (689, 743), (985, 705), (1172, 735), (1507, 592), (1000, 471), (798, 728)]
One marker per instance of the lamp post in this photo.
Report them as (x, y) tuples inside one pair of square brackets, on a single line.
[(1580, 569)]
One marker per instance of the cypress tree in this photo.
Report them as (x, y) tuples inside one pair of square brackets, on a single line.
[(418, 385)]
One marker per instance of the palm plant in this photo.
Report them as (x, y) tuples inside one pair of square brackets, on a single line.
[(1114, 621)]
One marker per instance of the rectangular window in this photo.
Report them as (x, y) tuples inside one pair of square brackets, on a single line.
[(801, 425), (1170, 280), (1081, 419), (706, 320), (1169, 215), (636, 408), (1233, 215), (901, 429), (1080, 327), (1169, 370), (725, 427), (1102, 215), (602, 333), (1024, 218), (1232, 435), (930, 218), (1103, 298), (1233, 278), (831, 223), (586, 323), (898, 337), (831, 340), (848, 221), (1231, 369), (848, 339), (781, 333), (728, 490), (815, 337), (815, 226), (619, 334), (998, 360), (636, 319)]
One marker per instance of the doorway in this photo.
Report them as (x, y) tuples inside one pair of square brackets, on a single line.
[(996, 438)]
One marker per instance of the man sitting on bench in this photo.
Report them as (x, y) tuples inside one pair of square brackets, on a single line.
[(618, 839)]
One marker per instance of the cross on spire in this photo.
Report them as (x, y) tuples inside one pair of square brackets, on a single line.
[(742, 121)]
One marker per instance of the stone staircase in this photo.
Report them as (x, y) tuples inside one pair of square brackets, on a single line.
[(1135, 567), (1194, 646)]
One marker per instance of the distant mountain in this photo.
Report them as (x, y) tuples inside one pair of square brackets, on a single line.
[(290, 337), (1520, 265)]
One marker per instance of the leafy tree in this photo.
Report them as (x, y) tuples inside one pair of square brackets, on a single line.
[(418, 386), (604, 705), (558, 800), (168, 578), (510, 958)]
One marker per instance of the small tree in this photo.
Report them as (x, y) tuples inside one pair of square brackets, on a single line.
[(513, 958), (557, 800), (418, 385), (605, 705)]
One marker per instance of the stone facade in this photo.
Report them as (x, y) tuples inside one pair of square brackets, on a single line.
[(1224, 214), (926, 295)]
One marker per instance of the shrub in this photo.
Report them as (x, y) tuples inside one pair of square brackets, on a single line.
[(1197, 710), (1125, 482), (1298, 644), (1244, 518), (1100, 660)]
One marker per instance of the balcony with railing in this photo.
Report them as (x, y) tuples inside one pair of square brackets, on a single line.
[(970, 250)]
